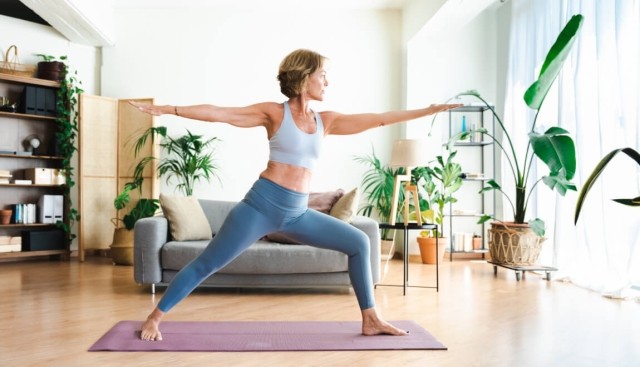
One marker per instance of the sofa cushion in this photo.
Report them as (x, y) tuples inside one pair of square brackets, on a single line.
[(187, 220), (346, 207), (261, 258)]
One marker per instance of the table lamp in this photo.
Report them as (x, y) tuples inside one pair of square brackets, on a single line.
[(408, 153)]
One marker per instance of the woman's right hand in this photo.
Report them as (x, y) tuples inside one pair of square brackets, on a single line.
[(151, 108)]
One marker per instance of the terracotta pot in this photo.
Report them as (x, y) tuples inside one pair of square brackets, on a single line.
[(5, 216), (428, 249), (122, 246)]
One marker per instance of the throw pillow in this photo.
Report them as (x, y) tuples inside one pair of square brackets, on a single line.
[(187, 220), (324, 201), (347, 206), (320, 201)]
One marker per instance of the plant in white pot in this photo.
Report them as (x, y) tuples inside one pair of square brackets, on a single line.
[(554, 147)]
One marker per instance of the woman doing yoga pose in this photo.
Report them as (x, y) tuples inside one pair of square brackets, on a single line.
[(278, 200)]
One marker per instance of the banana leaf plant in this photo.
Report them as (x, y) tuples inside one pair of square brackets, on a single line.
[(597, 171), (554, 147)]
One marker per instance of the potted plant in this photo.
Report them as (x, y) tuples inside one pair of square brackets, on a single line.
[(377, 186), (122, 246), (51, 68), (437, 184), (597, 171), (554, 147), (188, 159)]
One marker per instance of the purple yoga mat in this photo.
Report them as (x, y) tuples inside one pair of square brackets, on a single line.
[(228, 336)]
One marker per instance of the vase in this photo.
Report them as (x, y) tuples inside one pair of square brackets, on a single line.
[(122, 247), (514, 243), (428, 249)]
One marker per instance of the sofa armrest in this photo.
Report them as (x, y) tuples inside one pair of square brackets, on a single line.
[(370, 228), (150, 234)]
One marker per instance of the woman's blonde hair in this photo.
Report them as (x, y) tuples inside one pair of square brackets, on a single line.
[(295, 69)]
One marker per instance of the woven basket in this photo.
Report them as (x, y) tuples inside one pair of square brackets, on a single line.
[(12, 65), (514, 244)]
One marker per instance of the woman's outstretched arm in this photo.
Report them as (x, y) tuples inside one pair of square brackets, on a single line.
[(249, 116), (341, 124)]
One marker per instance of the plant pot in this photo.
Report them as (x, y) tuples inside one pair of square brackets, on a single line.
[(122, 247), (51, 70), (514, 244), (5, 216), (428, 249), (386, 249)]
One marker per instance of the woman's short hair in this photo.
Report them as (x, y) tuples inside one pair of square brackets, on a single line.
[(295, 69)]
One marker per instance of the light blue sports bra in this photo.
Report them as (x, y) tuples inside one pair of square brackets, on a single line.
[(293, 146)]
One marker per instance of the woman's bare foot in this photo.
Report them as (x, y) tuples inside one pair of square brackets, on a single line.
[(150, 328), (373, 325)]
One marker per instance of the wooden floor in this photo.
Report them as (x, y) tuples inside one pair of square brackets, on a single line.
[(51, 312)]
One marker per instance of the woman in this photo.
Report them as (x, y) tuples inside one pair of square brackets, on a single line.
[(278, 199)]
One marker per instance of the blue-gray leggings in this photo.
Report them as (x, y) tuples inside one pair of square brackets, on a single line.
[(269, 207)]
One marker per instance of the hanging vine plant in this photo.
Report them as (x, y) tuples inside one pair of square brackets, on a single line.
[(66, 136)]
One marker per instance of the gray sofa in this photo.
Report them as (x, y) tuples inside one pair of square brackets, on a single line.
[(157, 258)]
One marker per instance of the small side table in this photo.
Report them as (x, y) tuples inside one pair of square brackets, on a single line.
[(405, 253)]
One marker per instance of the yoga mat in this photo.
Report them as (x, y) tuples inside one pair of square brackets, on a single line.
[(228, 336)]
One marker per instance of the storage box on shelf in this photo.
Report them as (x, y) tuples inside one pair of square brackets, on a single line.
[(29, 168), (476, 155)]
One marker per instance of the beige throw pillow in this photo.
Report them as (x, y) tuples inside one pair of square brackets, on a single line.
[(187, 220), (347, 206)]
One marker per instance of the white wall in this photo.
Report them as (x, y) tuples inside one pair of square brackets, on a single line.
[(32, 38), (191, 55), (442, 62)]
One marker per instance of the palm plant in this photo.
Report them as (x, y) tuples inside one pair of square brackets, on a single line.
[(633, 154), (188, 159), (377, 185), (554, 147)]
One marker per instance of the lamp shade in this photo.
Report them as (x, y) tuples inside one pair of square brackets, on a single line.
[(409, 153)]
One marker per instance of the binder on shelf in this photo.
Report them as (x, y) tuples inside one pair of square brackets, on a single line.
[(58, 208), (45, 205)]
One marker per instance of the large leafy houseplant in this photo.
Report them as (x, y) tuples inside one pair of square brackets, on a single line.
[(144, 208), (597, 171), (554, 147), (189, 158), (438, 183), (377, 185)]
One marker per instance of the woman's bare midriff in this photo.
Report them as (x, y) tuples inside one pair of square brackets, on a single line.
[(294, 178)]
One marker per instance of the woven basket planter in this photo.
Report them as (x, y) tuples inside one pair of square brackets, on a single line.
[(514, 244)]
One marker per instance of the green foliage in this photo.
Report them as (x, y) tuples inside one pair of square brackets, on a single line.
[(66, 136), (554, 147), (597, 171), (189, 158), (438, 183), (377, 185)]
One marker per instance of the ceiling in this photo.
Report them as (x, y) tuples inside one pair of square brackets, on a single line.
[(16, 9)]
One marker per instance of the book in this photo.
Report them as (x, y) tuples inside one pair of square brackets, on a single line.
[(22, 182)]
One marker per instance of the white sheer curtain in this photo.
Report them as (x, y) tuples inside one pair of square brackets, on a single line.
[(596, 98)]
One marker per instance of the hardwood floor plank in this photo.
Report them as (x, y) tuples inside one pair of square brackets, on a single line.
[(51, 312)]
